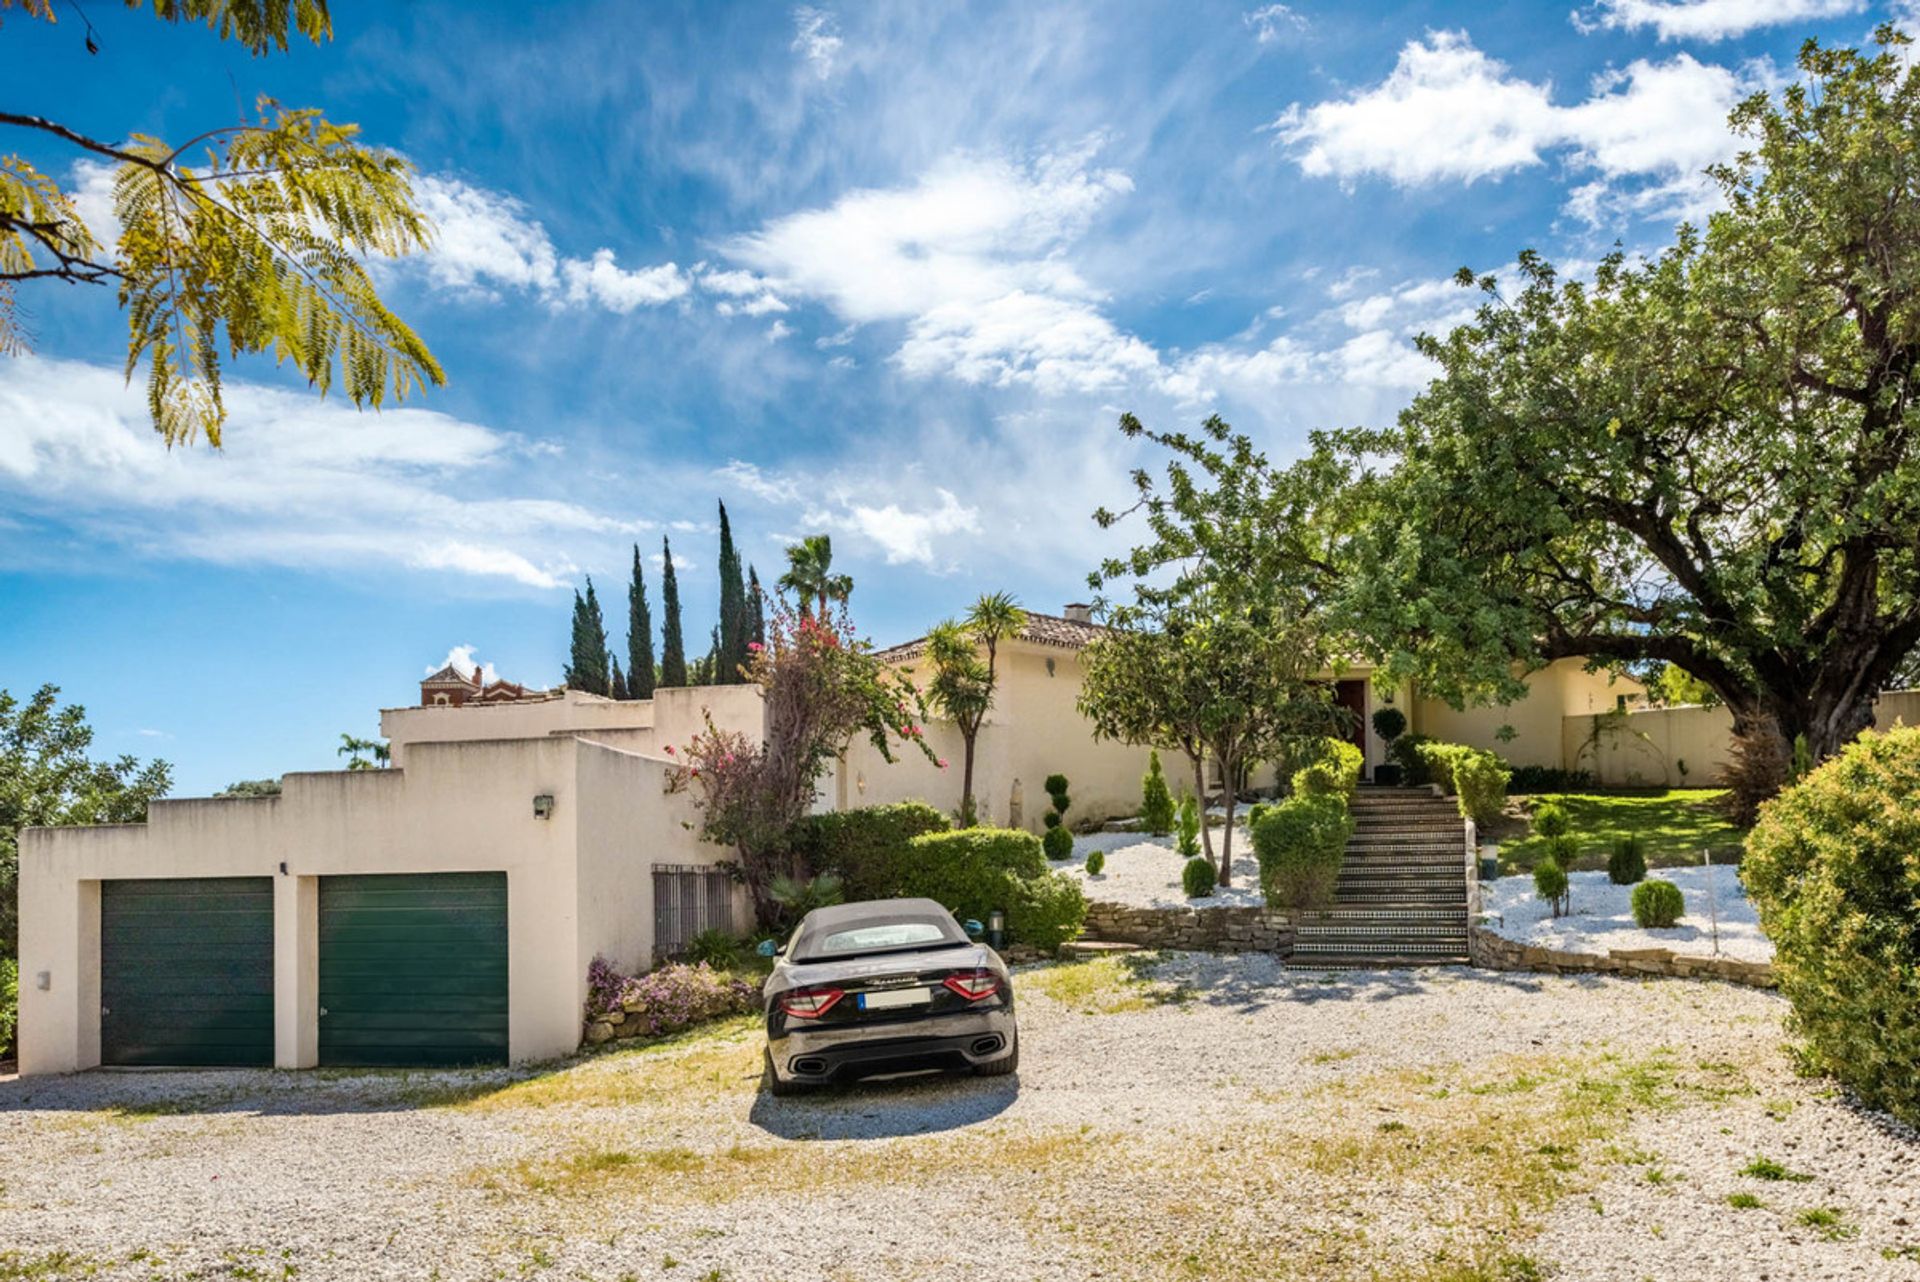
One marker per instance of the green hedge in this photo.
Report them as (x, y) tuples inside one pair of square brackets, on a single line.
[(1833, 866), (1335, 773), (977, 870), (865, 848), (1477, 777), (9, 1004), (1300, 843)]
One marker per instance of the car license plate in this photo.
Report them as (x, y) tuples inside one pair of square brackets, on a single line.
[(887, 998)]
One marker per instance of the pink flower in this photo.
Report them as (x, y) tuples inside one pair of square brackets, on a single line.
[(669, 750), (942, 763), (755, 647)]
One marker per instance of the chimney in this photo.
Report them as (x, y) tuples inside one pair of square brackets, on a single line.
[(1079, 612)]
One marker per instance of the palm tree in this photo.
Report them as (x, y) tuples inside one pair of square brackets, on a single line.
[(356, 751), (809, 575), (962, 685)]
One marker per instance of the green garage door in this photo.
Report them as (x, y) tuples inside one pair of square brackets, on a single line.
[(413, 969), (186, 971)]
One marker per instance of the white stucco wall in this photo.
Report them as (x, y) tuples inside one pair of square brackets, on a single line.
[(460, 807), (572, 711)]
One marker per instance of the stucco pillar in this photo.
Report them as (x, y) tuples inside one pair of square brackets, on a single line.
[(296, 971)]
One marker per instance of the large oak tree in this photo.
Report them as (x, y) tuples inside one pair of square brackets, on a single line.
[(1706, 459)]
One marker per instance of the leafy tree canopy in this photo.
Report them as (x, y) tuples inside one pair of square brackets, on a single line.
[(1706, 459), (47, 779), (249, 237)]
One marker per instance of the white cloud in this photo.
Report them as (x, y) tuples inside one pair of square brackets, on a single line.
[(485, 242), (1449, 112), (974, 260), (774, 489), (460, 659), (1708, 19), (1273, 22), (816, 39), (302, 482), (901, 535)]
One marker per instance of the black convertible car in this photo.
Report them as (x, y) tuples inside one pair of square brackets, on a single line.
[(886, 986)]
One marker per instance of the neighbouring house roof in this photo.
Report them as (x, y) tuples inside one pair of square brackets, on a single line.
[(451, 676), (1041, 629)]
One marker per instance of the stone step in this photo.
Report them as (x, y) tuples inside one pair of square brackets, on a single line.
[(1378, 961), (1341, 914), (1385, 893), (1095, 948), (1382, 938), (1406, 845)]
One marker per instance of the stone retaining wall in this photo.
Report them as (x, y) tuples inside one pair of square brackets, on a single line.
[(1496, 952), (1210, 930)]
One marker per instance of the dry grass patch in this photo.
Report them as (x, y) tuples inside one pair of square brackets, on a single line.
[(1105, 985)]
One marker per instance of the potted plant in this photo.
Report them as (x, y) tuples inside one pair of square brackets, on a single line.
[(1389, 723)]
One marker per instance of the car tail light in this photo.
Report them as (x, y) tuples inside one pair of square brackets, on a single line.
[(810, 1003), (973, 984)]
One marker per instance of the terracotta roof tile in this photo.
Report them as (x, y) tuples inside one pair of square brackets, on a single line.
[(1041, 629)]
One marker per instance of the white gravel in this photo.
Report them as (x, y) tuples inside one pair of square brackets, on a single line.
[(1143, 871), (1602, 916), (1266, 1124)]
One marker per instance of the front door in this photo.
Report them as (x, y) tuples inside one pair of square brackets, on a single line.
[(1352, 695)]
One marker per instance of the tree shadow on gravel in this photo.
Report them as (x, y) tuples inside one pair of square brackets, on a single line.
[(924, 1104), (116, 1094), (1266, 985)]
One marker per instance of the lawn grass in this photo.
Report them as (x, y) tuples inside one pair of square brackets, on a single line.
[(1673, 824)]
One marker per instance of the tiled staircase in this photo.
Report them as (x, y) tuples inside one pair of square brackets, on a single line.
[(1402, 895)]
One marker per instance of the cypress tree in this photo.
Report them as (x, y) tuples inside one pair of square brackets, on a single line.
[(640, 674), (673, 654), (588, 668), (756, 607), (576, 644), (617, 686), (730, 649)]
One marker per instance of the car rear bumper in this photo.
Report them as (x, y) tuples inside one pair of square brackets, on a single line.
[(953, 1042)]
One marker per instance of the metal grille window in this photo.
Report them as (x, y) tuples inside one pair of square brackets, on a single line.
[(687, 899)]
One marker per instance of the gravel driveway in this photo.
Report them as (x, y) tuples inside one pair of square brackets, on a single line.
[(1202, 1118)]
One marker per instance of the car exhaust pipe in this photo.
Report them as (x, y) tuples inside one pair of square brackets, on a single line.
[(809, 1066), (988, 1045)]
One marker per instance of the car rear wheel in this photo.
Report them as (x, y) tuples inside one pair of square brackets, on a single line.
[(771, 1080), (1000, 1067)]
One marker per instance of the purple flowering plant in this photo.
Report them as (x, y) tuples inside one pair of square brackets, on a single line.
[(668, 999)]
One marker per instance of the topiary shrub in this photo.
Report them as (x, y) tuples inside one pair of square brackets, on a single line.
[(866, 848), (1657, 904), (1408, 752), (1051, 819), (1627, 863), (1335, 773), (976, 870), (1096, 861), (1389, 723), (1300, 843), (1186, 828), (1833, 866), (1198, 878), (1056, 818), (1550, 883), (1254, 812), (1058, 842), (1480, 778), (1156, 799), (1550, 819)]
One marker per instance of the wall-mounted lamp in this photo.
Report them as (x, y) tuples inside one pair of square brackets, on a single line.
[(1049, 667), (43, 981), (283, 867), (543, 806)]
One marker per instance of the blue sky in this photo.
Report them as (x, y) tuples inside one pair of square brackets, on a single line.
[(890, 271)]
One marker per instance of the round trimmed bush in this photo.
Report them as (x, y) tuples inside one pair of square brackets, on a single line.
[(1627, 864), (1657, 904), (1197, 878), (1389, 723), (1832, 869), (1051, 819), (1058, 842), (1096, 860), (1550, 819), (1254, 812), (1550, 882)]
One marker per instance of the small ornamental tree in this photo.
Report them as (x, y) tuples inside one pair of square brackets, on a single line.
[(819, 687), (1059, 840), (1389, 723), (1156, 799)]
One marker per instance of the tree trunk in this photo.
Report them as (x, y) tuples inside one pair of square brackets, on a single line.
[(1227, 771), (967, 814), (1199, 760)]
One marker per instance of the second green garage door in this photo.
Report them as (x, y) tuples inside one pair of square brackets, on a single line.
[(413, 969)]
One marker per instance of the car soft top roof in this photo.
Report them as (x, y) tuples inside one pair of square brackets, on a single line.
[(823, 922)]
